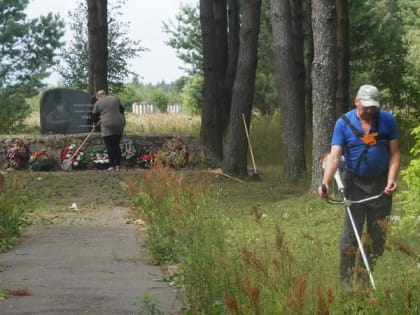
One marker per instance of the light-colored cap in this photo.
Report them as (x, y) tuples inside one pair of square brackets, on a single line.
[(368, 96)]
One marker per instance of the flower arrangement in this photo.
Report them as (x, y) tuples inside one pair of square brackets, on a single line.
[(100, 158), (146, 158), (17, 154), (40, 161), (174, 152), (128, 151), (79, 161)]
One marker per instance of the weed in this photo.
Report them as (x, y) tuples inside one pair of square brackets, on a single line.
[(13, 200), (147, 306)]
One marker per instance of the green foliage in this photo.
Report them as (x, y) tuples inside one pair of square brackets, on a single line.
[(376, 41), (192, 95), (28, 50), (171, 90), (175, 90), (185, 38), (120, 49), (12, 213), (410, 220), (129, 95), (266, 97), (13, 111), (73, 69), (162, 92), (160, 99), (147, 307), (411, 17), (407, 119)]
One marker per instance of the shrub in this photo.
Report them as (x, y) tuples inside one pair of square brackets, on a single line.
[(409, 223)]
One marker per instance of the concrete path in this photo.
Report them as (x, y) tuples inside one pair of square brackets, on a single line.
[(97, 267)]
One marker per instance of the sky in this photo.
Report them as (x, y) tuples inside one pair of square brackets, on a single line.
[(145, 16)]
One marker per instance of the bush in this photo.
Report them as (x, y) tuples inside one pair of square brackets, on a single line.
[(13, 111), (409, 224)]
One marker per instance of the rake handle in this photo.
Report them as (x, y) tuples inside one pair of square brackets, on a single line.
[(249, 143), (84, 141)]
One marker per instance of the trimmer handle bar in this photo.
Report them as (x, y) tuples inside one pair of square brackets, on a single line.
[(348, 203)]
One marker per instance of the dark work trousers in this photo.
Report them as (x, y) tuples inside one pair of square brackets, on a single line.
[(112, 144), (375, 214)]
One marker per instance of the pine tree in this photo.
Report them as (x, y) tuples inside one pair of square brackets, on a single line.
[(27, 53)]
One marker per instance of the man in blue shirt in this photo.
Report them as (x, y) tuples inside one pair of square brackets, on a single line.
[(368, 139)]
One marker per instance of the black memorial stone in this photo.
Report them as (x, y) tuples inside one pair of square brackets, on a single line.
[(66, 111)]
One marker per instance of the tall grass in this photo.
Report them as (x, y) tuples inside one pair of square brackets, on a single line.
[(275, 252), (12, 212), (159, 123), (149, 124), (265, 138)]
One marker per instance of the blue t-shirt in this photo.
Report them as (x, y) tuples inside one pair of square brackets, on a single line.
[(376, 160)]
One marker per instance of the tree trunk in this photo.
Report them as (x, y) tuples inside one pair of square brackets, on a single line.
[(211, 133), (98, 45), (343, 57), (309, 57), (235, 158), (297, 27), (221, 27), (324, 81), (291, 103), (233, 52)]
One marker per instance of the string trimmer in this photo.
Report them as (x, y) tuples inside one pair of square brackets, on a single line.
[(347, 204)]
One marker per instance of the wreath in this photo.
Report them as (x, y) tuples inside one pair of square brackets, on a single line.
[(146, 158), (17, 154), (78, 161), (128, 151), (40, 161), (174, 152), (100, 158)]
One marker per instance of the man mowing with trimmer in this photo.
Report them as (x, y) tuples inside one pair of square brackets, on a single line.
[(368, 139)]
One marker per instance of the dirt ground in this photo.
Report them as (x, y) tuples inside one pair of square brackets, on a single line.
[(82, 255)]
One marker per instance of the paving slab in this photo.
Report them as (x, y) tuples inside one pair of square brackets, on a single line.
[(94, 268)]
